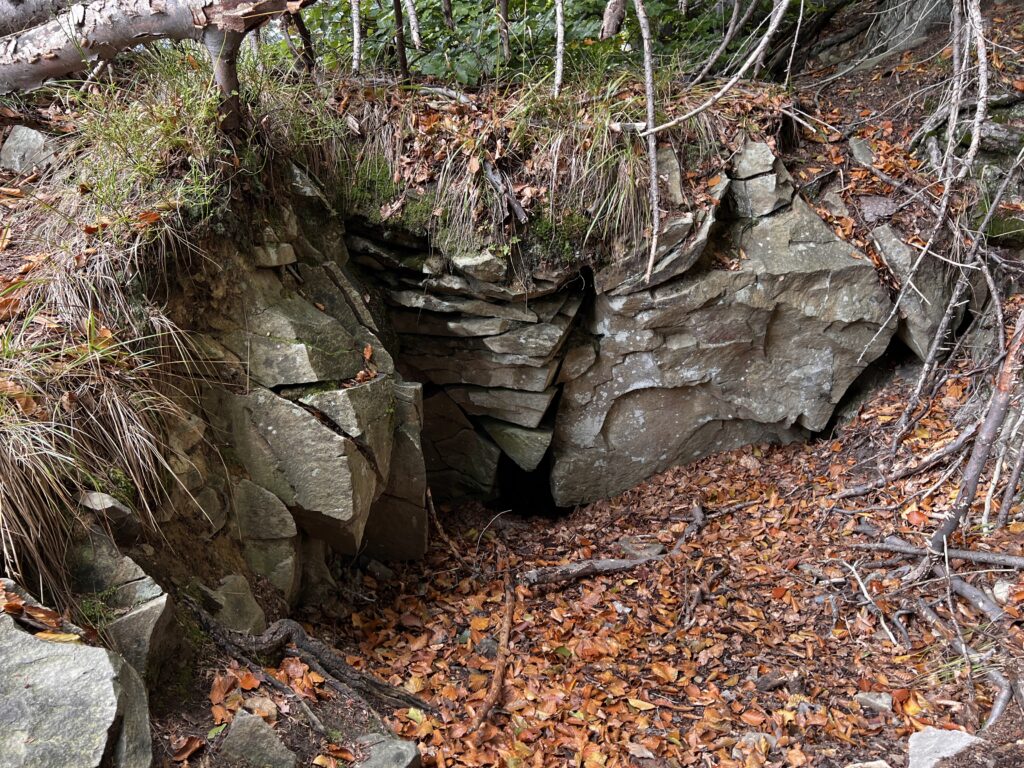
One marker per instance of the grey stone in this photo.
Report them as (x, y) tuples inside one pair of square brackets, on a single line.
[(251, 741), (871, 764), (273, 254), (680, 368), (320, 475), (236, 608), (145, 636), (97, 566), (526, 447), (328, 286), (670, 176), (879, 702), (537, 340), (25, 149), (213, 508), (464, 306), (526, 409), (364, 412), (636, 547), (481, 370), (122, 520), (1002, 590), (876, 207), (754, 159), (388, 751), (260, 514), (861, 151), (762, 195), (429, 324), (283, 339), (460, 461), (924, 304), (482, 266), (67, 704), (279, 561), (397, 527), (927, 748)]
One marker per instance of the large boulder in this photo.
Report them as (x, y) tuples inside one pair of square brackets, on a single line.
[(269, 537), (68, 704), (319, 474), (398, 526), (129, 607), (759, 349), (926, 294)]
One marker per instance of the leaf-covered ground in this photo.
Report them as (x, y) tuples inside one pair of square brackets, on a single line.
[(745, 646)]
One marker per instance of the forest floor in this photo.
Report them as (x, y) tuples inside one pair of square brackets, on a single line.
[(759, 634)]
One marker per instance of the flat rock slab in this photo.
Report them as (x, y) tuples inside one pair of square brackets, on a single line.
[(252, 742), (386, 751), (25, 149), (68, 704), (930, 746)]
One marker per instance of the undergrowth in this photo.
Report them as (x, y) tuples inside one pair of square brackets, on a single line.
[(93, 372)]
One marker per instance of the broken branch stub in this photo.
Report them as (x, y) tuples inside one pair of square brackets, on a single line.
[(72, 40)]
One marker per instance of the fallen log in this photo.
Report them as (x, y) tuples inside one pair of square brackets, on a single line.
[(970, 555)]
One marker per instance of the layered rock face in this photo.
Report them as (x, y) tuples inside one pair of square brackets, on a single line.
[(320, 434), (755, 322)]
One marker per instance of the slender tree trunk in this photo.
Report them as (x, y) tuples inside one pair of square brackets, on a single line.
[(987, 434), (614, 15), (506, 47), (559, 44), (308, 54), (652, 140), (403, 62), (357, 37), (446, 11), (414, 23)]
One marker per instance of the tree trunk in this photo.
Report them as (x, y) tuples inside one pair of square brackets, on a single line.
[(18, 15), (559, 44), (506, 47), (76, 38), (614, 15), (357, 37), (446, 11), (403, 62), (414, 23)]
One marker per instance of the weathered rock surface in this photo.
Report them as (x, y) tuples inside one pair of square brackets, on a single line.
[(252, 742), (67, 704), (25, 149), (460, 461), (141, 624), (269, 537), (398, 526), (234, 606), (320, 475), (526, 447), (387, 751), (927, 748), (924, 303), (681, 370)]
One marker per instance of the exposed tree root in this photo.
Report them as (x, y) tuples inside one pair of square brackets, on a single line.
[(501, 660), (286, 631), (926, 463), (583, 568)]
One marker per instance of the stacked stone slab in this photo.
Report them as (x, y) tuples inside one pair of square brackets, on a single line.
[(320, 432), (491, 348), (755, 321)]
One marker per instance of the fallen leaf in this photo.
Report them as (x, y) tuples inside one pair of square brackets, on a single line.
[(185, 747)]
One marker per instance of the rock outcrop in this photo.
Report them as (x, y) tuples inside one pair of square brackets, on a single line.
[(64, 704), (756, 320)]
